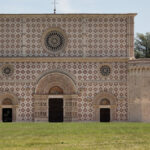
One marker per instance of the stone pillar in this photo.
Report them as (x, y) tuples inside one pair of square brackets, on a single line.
[(84, 35), (130, 36), (23, 27), (14, 107), (113, 112), (13, 113), (70, 108), (0, 114), (96, 113), (41, 108)]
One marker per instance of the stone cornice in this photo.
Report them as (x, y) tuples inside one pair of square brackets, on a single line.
[(140, 61), (139, 65), (39, 96), (139, 68), (65, 15), (63, 59)]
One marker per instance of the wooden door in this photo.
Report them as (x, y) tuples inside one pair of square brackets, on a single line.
[(104, 115), (56, 110)]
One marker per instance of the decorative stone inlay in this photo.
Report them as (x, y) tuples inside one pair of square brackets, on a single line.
[(7, 70), (105, 70), (7, 101), (56, 90), (105, 101), (86, 51)]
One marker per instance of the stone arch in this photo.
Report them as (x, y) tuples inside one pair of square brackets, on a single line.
[(111, 104), (55, 79), (105, 101), (55, 85), (64, 72), (8, 100), (106, 95), (56, 90)]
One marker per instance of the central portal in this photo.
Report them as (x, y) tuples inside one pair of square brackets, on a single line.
[(56, 110)]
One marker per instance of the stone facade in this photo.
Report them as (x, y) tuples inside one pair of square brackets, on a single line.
[(88, 58)]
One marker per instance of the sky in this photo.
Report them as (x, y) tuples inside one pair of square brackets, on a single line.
[(142, 7)]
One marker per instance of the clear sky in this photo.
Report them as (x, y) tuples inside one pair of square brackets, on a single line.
[(142, 7)]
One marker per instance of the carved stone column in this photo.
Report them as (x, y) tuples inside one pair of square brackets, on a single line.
[(70, 108), (41, 108), (0, 114), (96, 113), (14, 107), (113, 112)]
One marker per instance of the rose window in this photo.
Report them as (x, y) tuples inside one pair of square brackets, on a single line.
[(54, 41), (105, 70), (7, 70)]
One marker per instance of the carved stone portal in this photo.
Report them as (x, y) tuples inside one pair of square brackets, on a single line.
[(105, 100), (8, 102), (56, 91), (55, 86)]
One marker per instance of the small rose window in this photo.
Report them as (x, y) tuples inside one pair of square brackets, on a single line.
[(105, 70)]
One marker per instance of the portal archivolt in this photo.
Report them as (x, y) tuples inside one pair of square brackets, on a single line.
[(51, 89), (56, 80), (105, 103), (8, 106)]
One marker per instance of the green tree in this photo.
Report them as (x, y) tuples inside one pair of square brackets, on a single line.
[(142, 45)]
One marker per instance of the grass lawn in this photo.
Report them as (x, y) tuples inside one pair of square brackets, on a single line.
[(74, 136)]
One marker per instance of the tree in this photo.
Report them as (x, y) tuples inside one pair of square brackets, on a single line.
[(142, 45)]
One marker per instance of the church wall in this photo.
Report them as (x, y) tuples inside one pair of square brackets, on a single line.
[(89, 83), (91, 41), (87, 35), (139, 95)]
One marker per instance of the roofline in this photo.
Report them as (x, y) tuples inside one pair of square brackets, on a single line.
[(80, 14)]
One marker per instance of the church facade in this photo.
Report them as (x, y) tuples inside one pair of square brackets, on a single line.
[(71, 67)]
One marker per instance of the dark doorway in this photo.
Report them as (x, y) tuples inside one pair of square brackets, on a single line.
[(7, 114), (56, 110), (104, 115)]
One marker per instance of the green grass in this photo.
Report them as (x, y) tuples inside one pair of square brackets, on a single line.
[(74, 136)]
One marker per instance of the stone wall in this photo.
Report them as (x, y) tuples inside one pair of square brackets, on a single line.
[(87, 35), (88, 79), (139, 95), (92, 42)]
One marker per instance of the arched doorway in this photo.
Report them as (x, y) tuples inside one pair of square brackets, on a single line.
[(55, 98), (8, 105), (105, 110), (56, 105), (7, 110), (104, 107)]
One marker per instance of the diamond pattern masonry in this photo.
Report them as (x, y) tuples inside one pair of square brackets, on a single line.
[(92, 61)]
